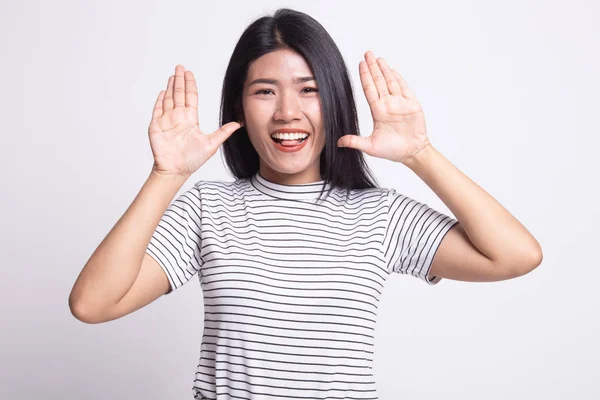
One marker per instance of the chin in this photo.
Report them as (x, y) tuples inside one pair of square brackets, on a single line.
[(290, 170)]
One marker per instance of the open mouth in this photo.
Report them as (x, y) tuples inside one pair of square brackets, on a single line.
[(289, 139)]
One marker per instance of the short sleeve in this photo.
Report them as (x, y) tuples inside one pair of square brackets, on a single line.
[(176, 241), (413, 234)]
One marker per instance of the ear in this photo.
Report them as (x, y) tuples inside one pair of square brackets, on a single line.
[(239, 115)]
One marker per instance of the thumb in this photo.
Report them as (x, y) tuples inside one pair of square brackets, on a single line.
[(220, 135), (354, 142)]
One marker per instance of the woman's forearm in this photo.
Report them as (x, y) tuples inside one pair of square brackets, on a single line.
[(113, 267), (490, 227)]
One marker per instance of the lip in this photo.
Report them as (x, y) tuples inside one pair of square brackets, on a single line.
[(290, 149)]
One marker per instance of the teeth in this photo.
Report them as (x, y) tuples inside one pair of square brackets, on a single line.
[(289, 136)]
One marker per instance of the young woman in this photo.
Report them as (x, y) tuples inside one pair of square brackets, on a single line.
[(293, 255)]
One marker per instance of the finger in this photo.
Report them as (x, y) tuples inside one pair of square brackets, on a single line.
[(217, 138), (355, 142), (158, 110), (179, 90), (191, 91), (391, 81), (378, 78), (367, 83), (168, 100), (406, 92)]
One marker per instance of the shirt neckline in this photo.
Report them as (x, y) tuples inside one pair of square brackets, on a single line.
[(300, 191)]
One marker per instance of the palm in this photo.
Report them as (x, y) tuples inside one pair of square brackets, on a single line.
[(178, 145), (182, 148), (399, 131)]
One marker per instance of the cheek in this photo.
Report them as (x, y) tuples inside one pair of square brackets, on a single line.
[(257, 114), (312, 106), (254, 131), (313, 111), (322, 140), (251, 117)]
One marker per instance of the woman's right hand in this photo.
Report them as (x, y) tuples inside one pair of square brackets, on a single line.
[(178, 145)]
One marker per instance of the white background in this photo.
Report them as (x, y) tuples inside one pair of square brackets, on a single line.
[(510, 92)]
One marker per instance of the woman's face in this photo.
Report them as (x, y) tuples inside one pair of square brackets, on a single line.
[(275, 98)]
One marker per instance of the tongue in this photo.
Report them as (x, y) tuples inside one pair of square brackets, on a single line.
[(289, 142)]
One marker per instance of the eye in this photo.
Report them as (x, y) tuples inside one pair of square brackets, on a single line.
[(262, 91), (266, 91)]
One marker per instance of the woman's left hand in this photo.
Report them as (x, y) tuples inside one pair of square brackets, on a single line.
[(399, 132)]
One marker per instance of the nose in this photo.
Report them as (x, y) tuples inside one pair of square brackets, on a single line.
[(289, 107)]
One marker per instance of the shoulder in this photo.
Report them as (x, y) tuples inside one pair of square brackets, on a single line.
[(219, 191), (361, 197), (222, 185)]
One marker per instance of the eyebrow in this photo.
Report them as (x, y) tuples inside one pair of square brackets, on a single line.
[(301, 79)]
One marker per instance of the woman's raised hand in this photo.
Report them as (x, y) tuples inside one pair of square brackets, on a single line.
[(399, 130), (178, 145)]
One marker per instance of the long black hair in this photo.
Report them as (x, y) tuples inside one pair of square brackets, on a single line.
[(342, 167)]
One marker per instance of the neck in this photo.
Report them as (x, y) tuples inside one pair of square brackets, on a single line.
[(309, 175)]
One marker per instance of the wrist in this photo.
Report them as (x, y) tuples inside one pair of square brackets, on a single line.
[(171, 179), (421, 157)]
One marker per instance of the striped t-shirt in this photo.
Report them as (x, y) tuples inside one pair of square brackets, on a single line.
[(291, 286)]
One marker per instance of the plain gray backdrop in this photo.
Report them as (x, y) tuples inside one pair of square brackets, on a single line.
[(510, 93)]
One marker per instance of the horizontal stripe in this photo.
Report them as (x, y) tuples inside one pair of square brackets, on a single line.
[(291, 285)]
